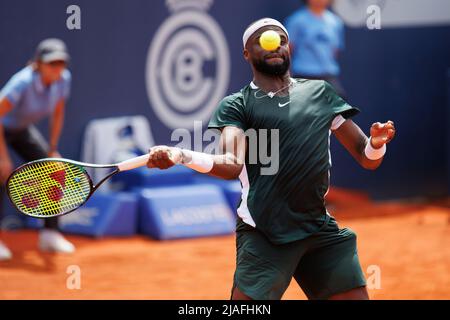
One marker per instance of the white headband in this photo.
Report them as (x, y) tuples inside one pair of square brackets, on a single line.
[(258, 25)]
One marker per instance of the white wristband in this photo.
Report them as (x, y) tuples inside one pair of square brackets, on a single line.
[(372, 153), (201, 162)]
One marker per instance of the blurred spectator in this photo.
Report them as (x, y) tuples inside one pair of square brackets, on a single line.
[(316, 37), (38, 91)]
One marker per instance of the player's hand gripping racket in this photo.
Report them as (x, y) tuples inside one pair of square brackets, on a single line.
[(54, 186)]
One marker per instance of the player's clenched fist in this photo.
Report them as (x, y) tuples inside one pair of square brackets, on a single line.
[(164, 157), (382, 133)]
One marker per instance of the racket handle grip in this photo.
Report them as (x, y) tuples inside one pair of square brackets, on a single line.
[(133, 163)]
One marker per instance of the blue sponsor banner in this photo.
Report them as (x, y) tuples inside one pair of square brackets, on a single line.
[(184, 212), (113, 214)]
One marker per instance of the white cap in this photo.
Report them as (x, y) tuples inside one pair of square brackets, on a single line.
[(51, 49), (258, 25)]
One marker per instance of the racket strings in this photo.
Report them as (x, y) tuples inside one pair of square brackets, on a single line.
[(49, 188)]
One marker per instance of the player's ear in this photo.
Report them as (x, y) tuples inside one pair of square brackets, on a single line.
[(36, 65), (246, 54)]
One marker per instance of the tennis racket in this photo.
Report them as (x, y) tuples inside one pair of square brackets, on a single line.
[(52, 187)]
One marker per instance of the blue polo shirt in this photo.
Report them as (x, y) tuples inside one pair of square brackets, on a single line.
[(316, 40), (31, 100)]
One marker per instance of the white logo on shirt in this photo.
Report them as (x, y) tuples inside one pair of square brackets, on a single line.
[(281, 105)]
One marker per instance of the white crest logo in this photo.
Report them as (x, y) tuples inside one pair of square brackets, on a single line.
[(188, 65)]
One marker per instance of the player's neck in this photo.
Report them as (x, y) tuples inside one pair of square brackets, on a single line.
[(271, 83), (317, 11), (46, 82)]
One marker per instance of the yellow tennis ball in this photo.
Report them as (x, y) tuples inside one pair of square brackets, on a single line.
[(270, 40)]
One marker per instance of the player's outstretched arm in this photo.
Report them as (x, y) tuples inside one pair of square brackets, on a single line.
[(56, 124), (6, 165), (368, 152), (226, 165)]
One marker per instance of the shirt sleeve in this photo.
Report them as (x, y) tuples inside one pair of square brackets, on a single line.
[(338, 105), (337, 122), (229, 113), (13, 90), (341, 36), (67, 81)]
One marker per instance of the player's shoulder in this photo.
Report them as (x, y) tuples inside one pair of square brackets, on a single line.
[(66, 75), (23, 77), (297, 16), (333, 18), (300, 13), (312, 83), (65, 81), (315, 87), (234, 99)]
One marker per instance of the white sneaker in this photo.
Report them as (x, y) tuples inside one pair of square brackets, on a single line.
[(5, 253), (54, 241)]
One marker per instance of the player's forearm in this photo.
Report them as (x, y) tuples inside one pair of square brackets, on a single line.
[(4, 154), (371, 164), (364, 161), (5, 107), (357, 143), (56, 124), (225, 166)]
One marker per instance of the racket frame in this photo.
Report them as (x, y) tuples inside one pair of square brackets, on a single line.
[(84, 165)]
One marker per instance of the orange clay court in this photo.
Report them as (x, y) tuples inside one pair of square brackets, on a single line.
[(408, 242)]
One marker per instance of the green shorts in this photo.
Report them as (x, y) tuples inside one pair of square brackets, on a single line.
[(324, 264)]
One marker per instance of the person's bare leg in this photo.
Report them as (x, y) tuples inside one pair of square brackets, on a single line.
[(354, 294), (238, 295)]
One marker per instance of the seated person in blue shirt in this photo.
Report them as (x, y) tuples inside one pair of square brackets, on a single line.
[(37, 91), (316, 36)]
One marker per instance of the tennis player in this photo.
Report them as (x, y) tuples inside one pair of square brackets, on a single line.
[(283, 227), (37, 91)]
